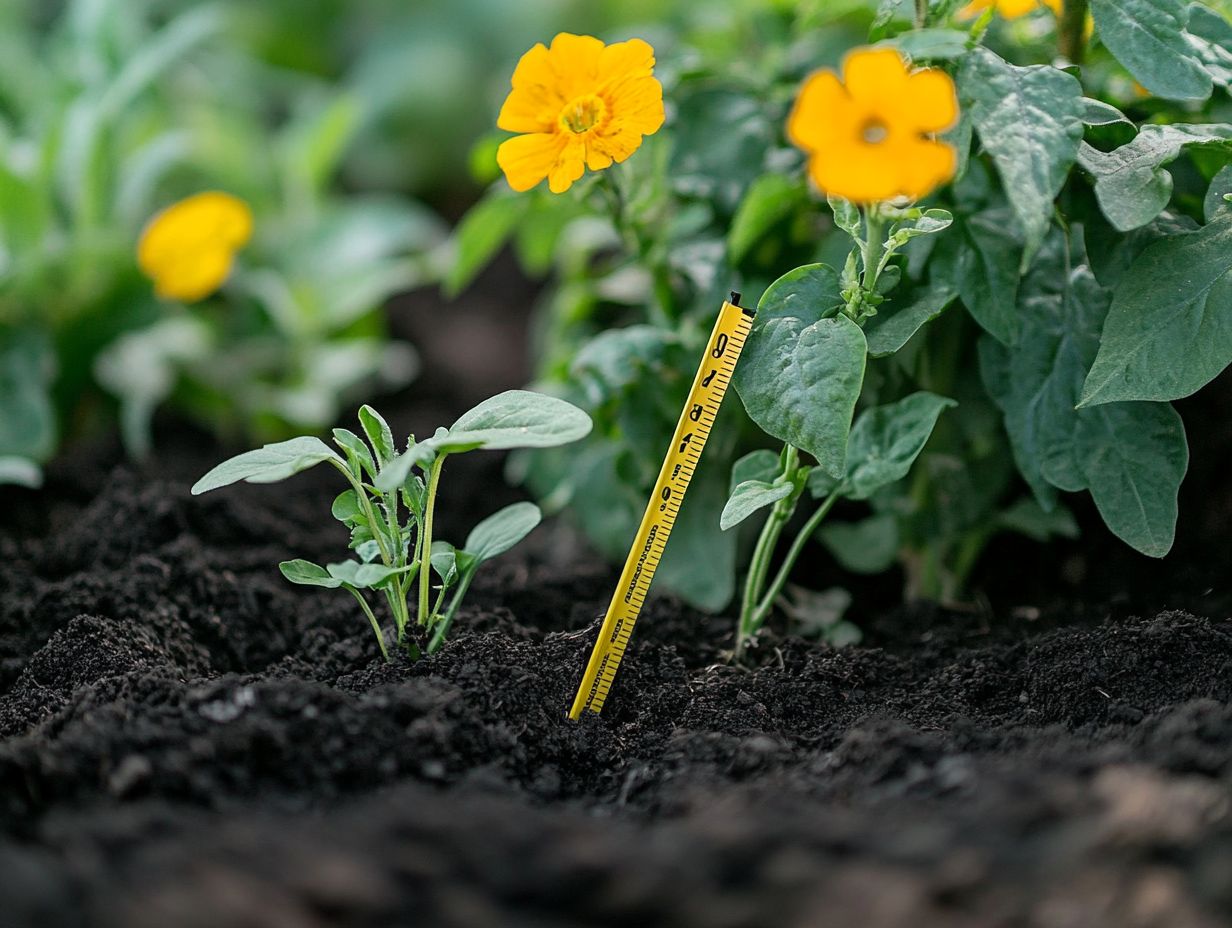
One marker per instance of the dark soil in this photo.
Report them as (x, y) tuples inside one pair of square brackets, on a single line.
[(187, 740)]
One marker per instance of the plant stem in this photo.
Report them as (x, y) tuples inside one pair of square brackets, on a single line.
[(921, 13), (759, 565), (425, 537), (1071, 31), (793, 554), (376, 626), (872, 247), (442, 627)]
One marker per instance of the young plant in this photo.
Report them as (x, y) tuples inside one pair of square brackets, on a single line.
[(394, 550)]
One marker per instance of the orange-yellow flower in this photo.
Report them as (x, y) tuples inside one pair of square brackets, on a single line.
[(188, 248), (869, 136), (579, 104), (1010, 9)]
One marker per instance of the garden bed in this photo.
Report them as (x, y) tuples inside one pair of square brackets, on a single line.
[(189, 740)]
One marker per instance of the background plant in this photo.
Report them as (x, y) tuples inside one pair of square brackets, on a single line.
[(1087, 209), (395, 551)]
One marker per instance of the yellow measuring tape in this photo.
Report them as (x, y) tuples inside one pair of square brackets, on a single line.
[(696, 419)]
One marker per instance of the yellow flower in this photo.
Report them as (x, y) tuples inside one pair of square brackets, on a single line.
[(1010, 9), (868, 136), (188, 248), (579, 104)]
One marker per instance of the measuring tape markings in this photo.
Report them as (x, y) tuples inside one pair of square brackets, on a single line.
[(689, 439)]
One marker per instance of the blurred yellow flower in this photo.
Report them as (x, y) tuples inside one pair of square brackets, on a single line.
[(188, 248), (868, 136), (1010, 9), (579, 104)]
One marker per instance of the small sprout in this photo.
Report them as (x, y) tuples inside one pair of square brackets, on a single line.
[(394, 549)]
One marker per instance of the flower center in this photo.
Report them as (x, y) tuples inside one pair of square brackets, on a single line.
[(874, 131), (583, 114)]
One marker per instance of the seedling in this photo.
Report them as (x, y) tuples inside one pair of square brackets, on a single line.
[(394, 550)]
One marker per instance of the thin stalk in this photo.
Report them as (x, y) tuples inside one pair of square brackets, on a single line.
[(1072, 31), (369, 512), (376, 626), (759, 565), (793, 554), (425, 557), (921, 13), (873, 247), (442, 627)]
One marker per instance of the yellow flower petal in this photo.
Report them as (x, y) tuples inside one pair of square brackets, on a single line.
[(528, 159), (1010, 9), (579, 104), (932, 100), (867, 136), (188, 248)]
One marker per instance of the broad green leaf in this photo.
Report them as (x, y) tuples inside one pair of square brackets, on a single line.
[(894, 325), (379, 434), (502, 530), (307, 573), (513, 419), (346, 508), (748, 498), (801, 372), (886, 440), (1130, 182), (932, 44), (981, 261), (1099, 113), (517, 419), (1133, 458), (27, 417), (770, 199), (445, 562), (1211, 36), (20, 471), (1169, 331), (928, 222), (1113, 253), (1130, 456), (268, 464), (869, 546), (1215, 203), (356, 450), (367, 576), (1030, 120), (761, 464), (480, 235), (1027, 517), (1148, 38)]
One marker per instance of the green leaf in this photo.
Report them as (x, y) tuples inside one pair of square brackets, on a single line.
[(1169, 331), (379, 434), (1027, 517), (846, 216), (1215, 203), (932, 44), (1130, 456), (1211, 36), (801, 372), (1099, 113), (480, 235), (367, 576), (928, 222), (748, 498), (893, 326), (357, 452), (20, 471), (445, 562), (502, 530), (346, 508), (770, 200), (27, 417), (268, 464), (761, 464), (1030, 120), (981, 261), (869, 546), (886, 440), (513, 419), (307, 573), (516, 419), (1130, 182), (1148, 38)]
